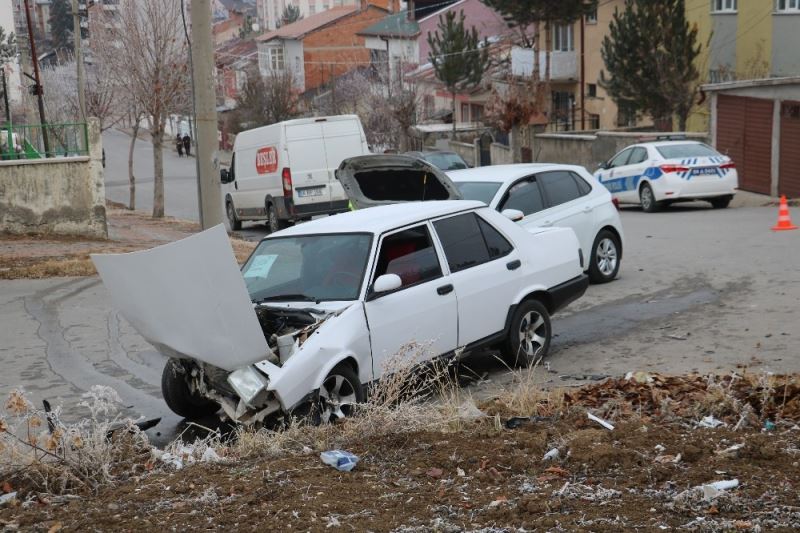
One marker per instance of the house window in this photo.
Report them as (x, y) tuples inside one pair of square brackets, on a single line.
[(591, 17), (594, 121), (563, 39), (276, 59), (626, 114), (723, 6), (312, 9), (429, 103), (563, 117), (476, 113), (787, 6), (464, 112), (591, 90)]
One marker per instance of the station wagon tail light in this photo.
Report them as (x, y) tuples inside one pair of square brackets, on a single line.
[(667, 169), (286, 175), (730, 166)]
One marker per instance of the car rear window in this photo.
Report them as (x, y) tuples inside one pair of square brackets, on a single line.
[(676, 151), (469, 241), (560, 187), (446, 161), (482, 191)]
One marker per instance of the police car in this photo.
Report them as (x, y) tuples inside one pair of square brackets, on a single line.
[(656, 174)]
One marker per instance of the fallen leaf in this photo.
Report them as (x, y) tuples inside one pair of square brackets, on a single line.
[(7, 487), (557, 470), (497, 476), (55, 527)]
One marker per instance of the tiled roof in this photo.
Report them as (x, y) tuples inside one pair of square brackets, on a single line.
[(396, 25), (304, 26)]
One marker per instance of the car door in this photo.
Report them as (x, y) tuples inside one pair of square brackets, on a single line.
[(483, 269), (569, 205), (613, 175), (419, 319), (525, 195)]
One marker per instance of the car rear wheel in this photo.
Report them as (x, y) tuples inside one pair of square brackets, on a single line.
[(529, 336), (605, 258), (338, 395), (648, 199), (235, 223), (721, 202), (179, 398)]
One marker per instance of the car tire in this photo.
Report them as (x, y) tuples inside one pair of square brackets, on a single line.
[(179, 398), (529, 334), (273, 222), (647, 199), (340, 392), (605, 258), (721, 202), (234, 222)]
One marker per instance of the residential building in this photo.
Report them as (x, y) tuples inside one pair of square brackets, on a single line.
[(269, 12), (234, 61), (12, 67), (41, 10), (743, 40), (228, 29), (320, 47), (393, 43)]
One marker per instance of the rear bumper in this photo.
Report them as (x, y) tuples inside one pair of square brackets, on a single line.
[(564, 294), (674, 188), (289, 211)]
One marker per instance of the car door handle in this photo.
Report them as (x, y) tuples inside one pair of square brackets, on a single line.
[(513, 265), (445, 289), (588, 209), (546, 224)]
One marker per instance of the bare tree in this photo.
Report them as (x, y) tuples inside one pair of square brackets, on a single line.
[(61, 101), (146, 53), (265, 100)]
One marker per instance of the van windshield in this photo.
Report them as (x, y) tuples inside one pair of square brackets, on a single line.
[(311, 268)]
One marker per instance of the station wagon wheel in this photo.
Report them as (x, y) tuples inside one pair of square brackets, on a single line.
[(605, 258), (529, 335), (338, 395), (648, 199)]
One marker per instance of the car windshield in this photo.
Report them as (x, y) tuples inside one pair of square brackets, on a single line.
[(483, 191), (675, 151), (446, 161), (311, 268)]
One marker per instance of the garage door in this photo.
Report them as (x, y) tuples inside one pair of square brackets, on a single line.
[(744, 132), (789, 181)]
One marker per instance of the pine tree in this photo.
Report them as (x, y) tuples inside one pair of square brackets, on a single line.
[(61, 24), (457, 55), (290, 14), (649, 55)]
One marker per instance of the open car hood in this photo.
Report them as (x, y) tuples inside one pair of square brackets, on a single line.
[(188, 299), (372, 180)]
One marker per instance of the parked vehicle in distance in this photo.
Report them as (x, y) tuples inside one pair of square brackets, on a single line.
[(441, 159), (338, 298), (657, 174), (284, 172), (544, 195)]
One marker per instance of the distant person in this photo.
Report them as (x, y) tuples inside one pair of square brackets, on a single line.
[(179, 145), (187, 145)]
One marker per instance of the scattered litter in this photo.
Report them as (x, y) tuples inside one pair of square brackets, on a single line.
[(731, 450), (517, 421), (710, 422), (469, 411), (460, 472), (340, 460), (769, 425), (664, 459), (551, 455), (607, 425), (660, 448), (712, 490), (8, 498), (639, 377), (210, 456)]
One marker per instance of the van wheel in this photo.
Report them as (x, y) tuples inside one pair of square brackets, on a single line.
[(179, 398), (234, 222), (273, 222), (529, 336)]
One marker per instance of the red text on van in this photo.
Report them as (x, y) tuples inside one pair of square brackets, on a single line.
[(266, 160)]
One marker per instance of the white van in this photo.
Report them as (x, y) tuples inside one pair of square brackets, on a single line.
[(285, 172)]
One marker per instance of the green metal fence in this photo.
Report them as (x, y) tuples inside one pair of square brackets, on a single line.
[(36, 141)]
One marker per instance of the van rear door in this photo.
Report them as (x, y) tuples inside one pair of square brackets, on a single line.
[(308, 164), (343, 139)]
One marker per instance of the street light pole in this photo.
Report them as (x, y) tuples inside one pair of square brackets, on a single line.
[(205, 111), (37, 79), (76, 30)]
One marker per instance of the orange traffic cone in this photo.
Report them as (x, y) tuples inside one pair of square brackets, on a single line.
[(784, 220)]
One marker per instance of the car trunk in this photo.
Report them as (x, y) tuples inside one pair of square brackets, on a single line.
[(373, 180)]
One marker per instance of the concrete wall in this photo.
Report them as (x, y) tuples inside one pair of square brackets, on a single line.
[(63, 195), (501, 155), (468, 152), (590, 150)]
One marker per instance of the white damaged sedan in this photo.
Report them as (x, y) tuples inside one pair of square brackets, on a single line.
[(325, 305)]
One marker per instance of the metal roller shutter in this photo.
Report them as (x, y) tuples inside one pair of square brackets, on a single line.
[(744, 132), (789, 181)]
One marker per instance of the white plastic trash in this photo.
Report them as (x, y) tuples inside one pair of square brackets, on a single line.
[(339, 459)]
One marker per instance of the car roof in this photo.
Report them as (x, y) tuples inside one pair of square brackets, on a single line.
[(656, 144), (506, 173), (377, 220)]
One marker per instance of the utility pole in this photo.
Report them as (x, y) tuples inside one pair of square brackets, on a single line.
[(205, 111), (76, 30), (37, 79)]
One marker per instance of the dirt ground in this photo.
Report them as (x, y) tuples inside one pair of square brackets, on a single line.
[(36, 257), (647, 474)]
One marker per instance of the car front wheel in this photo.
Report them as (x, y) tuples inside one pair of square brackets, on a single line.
[(605, 258), (179, 398), (529, 336), (338, 395), (648, 199)]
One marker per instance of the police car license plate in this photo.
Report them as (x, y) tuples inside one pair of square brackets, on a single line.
[(304, 193), (706, 171)]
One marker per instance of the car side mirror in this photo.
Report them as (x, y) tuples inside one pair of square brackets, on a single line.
[(387, 283), (225, 176), (603, 165), (514, 215)]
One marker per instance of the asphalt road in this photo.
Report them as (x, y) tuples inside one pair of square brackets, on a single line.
[(699, 290)]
